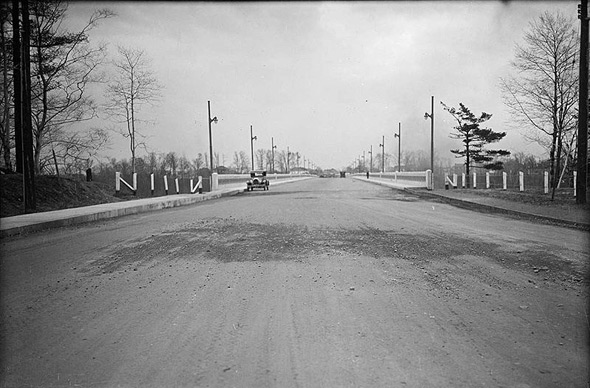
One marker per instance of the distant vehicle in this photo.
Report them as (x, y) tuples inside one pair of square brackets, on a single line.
[(257, 180)]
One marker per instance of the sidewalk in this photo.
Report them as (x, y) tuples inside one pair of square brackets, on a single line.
[(556, 214), (33, 222)]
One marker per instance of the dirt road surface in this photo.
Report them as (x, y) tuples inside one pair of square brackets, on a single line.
[(321, 283)]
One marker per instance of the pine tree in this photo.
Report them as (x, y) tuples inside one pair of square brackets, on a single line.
[(475, 139)]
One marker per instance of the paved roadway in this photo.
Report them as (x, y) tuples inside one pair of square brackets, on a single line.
[(319, 283)]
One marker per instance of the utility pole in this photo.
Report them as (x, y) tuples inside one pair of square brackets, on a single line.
[(432, 139), (252, 138), (426, 116), (288, 156), (382, 145), (582, 167), (364, 161), (273, 146), (211, 120), (399, 147)]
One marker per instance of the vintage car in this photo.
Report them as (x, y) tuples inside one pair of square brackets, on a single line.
[(257, 180)]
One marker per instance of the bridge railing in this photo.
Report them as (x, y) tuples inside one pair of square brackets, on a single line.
[(406, 178), (147, 185)]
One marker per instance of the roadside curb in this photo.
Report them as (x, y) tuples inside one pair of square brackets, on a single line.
[(470, 205), (34, 222), (497, 209), (68, 217)]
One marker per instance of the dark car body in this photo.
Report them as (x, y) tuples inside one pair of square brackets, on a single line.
[(257, 180)]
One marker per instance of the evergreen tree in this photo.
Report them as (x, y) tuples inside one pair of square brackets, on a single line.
[(474, 139)]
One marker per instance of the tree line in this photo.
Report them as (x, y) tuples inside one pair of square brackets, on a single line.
[(180, 166)]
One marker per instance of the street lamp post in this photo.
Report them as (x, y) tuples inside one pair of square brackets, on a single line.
[(382, 145), (431, 116), (211, 120), (288, 156), (364, 161), (399, 147), (273, 146), (252, 138), (371, 152)]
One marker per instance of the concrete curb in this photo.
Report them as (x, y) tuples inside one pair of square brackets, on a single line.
[(498, 209), (28, 223), (376, 181), (479, 206)]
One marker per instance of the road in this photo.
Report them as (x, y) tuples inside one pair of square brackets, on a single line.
[(320, 283)]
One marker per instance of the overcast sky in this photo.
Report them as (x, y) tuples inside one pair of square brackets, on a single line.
[(326, 79)]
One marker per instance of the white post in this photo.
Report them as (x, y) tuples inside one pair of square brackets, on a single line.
[(463, 180), (545, 182), (152, 183), (177, 186), (454, 181), (474, 180), (134, 183), (487, 179), (117, 182), (429, 179), (504, 180), (166, 184), (575, 179), (521, 180), (198, 186), (214, 181)]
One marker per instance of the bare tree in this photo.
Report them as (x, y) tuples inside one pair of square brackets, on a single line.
[(260, 158), (542, 96), (216, 159), (237, 163), (281, 159), (153, 161), (184, 166), (198, 161), (73, 150), (133, 85), (268, 160), (244, 162), (172, 162), (63, 65)]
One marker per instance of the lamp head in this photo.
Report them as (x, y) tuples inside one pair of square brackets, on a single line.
[(214, 120), (426, 116)]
